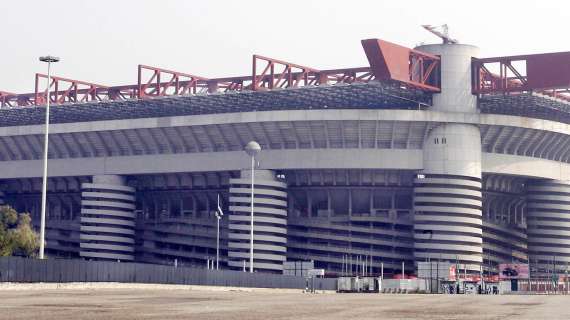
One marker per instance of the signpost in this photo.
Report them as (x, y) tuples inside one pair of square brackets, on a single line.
[(316, 272), (219, 214), (312, 274), (509, 271)]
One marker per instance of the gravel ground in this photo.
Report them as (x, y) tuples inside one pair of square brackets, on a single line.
[(179, 302)]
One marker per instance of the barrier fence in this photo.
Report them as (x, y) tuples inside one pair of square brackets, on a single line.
[(542, 285), (16, 269)]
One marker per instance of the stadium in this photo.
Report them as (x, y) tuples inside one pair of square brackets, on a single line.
[(426, 153)]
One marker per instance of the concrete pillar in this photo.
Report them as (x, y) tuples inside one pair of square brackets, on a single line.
[(107, 219), (329, 204), (194, 207), (350, 202), (270, 222), (309, 205), (371, 204), (448, 198), (548, 225)]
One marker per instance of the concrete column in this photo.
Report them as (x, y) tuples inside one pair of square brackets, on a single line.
[(329, 204), (291, 207), (309, 205), (194, 207), (270, 222), (107, 219), (350, 202), (371, 204), (448, 198), (548, 225)]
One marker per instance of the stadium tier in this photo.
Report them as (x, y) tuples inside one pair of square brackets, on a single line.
[(429, 153)]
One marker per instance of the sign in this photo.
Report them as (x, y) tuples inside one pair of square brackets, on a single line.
[(452, 273), (492, 278), (509, 271), (434, 270), (316, 272)]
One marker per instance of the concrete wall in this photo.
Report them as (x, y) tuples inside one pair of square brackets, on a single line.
[(14, 269)]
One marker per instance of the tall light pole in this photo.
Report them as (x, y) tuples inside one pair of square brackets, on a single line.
[(49, 60), (252, 148), (219, 215)]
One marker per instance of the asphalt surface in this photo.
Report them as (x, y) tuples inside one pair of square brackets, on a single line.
[(149, 303)]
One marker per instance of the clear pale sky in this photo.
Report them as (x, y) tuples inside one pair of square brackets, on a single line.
[(103, 41)]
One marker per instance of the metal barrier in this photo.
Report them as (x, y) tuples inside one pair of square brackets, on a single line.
[(16, 269), (542, 285)]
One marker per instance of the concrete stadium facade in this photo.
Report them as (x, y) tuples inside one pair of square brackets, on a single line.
[(449, 179)]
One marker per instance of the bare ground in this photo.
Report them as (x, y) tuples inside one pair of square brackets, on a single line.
[(179, 303)]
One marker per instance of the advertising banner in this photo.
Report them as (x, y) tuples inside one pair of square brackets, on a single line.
[(452, 273), (509, 271)]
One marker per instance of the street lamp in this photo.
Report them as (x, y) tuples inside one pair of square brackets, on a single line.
[(219, 214), (49, 60), (252, 148)]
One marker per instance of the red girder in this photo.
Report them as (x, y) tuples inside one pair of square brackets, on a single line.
[(389, 61), (280, 74), (175, 83), (547, 73), (179, 83), (7, 98), (17, 100), (68, 90), (288, 79), (421, 71), (351, 75)]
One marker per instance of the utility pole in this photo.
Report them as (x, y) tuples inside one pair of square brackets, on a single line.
[(219, 215), (554, 274), (437, 272), (49, 60), (430, 275), (457, 273), (566, 278)]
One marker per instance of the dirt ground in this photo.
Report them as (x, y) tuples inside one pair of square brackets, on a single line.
[(153, 303)]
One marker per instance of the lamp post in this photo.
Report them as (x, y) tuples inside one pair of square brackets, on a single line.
[(219, 215), (49, 60), (252, 148)]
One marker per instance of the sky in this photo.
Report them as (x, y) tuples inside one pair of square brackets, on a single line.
[(103, 41)]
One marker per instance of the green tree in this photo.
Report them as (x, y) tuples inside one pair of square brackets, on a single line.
[(16, 233)]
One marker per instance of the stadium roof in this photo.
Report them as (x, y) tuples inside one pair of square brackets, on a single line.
[(372, 95)]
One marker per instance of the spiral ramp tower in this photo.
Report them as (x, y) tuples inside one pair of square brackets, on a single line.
[(270, 222), (504, 221), (107, 219), (447, 195), (548, 219)]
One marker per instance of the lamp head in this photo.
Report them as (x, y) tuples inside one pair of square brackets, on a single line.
[(49, 59), (252, 148)]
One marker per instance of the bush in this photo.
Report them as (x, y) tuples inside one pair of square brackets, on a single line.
[(16, 234)]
